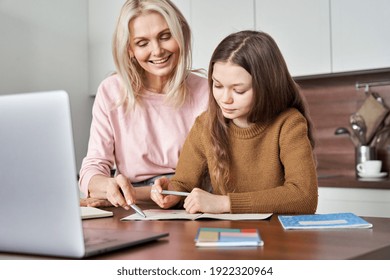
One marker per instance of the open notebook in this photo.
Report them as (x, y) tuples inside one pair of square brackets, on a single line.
[(39, 197), (161, 214)]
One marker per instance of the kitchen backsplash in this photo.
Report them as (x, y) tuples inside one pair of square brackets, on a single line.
[(331, 101)]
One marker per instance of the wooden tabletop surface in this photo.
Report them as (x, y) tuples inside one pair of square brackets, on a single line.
[(279, 244)]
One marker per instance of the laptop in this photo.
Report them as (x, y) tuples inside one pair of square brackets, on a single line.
[(39, 196)]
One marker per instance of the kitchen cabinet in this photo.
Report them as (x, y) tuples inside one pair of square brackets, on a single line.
[(302, 31), (328, 36), (360, 34), (211, 21), (362, 202)]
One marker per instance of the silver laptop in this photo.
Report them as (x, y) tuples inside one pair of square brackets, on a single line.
[(39, 198)]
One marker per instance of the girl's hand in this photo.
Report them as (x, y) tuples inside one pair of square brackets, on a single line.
[(205, 202), (164, 201)]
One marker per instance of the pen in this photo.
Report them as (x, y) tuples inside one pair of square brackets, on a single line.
[(138, 210), (175, 193)]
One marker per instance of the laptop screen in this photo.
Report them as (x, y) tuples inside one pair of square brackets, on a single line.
[(39, 194)]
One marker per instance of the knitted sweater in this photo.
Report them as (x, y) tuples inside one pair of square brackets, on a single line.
[(272, 171)]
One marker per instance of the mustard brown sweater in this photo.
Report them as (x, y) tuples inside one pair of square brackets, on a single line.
[(273, 168)]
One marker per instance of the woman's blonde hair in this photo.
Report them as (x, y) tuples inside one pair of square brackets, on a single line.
[(128, 69)]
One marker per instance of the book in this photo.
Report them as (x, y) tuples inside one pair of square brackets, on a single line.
[(228, 237), (93, 212), (323, 221), (174, 214)]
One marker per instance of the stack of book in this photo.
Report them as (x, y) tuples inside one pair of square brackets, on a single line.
[(228, 237)]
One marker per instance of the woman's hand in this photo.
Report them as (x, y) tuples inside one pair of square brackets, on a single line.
[(94, 202), (118, 190), (164, 201), (205, 202)]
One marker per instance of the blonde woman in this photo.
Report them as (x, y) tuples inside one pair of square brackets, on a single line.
[(255, 140), (143, 113)]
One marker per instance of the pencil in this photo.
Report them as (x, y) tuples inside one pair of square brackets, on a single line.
[(175, 193), (138, 210)]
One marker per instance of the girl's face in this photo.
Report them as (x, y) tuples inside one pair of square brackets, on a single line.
[(152, 45), (232, 90)]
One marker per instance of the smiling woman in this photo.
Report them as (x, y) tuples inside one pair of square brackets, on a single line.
[(154, 48), (142, 113)]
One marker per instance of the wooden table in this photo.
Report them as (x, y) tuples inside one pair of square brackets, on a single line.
[(279, 244)]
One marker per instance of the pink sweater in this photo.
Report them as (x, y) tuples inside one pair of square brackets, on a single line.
[(146, 141)]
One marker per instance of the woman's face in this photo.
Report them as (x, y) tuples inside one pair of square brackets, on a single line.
[(152, 45), (232, 90)]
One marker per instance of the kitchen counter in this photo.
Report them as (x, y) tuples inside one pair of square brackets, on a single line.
[(349, 181), (346, 193)]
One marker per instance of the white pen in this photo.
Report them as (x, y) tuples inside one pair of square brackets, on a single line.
[(175, 193), (138, 210)]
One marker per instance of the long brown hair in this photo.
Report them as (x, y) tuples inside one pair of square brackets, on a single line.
[(274, 90)]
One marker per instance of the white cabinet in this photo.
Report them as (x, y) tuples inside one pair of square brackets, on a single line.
[(362, 202), (360, 34), (211, 21), (302, 31), (328, 36)]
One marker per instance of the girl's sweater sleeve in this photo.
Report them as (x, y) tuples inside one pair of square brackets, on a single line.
[(192, 161)]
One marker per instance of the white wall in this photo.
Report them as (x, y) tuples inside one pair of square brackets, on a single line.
[(102, 17), (44, 46)]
